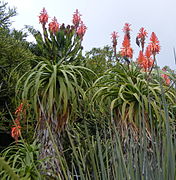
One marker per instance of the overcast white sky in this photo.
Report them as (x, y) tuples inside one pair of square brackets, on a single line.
[(102, 17)]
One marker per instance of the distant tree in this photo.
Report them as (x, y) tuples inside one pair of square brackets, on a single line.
[(6, 14), (13, 51), (99, 59)]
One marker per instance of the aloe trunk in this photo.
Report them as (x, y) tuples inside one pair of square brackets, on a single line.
[(49, 137)]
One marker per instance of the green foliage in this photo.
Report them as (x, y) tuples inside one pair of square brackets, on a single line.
[(13, 51), (99, 60), (9, 171), (5, 15), (56, 81), (58, 86), (63, 47), (22, 161), (101, 154), (130, 93)]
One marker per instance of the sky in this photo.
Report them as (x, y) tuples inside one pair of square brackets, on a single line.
[(102, 17)]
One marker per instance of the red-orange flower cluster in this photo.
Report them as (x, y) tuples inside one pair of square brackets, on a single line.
[(43, 18), (145, 61), (54, 26), (76, 18), (78, 24), (126, 50), (154, 44), (148, 53), (81, 30), (16, 129)]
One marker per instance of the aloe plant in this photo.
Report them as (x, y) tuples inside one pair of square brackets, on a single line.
[(9, 171), (20, 161), (55, 84), (132, 97)]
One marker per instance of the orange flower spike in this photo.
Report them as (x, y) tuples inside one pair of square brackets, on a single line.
[(43, 18), (129, 52), (142, 33), (54, 26), (145, 66), (150, 63), (126, 42), (76, 18), (141, 37), (141, 58), (16, 129), (81, 30), (148, 52), (16, 132), (154, 44), (126, 50), (144, 61)]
